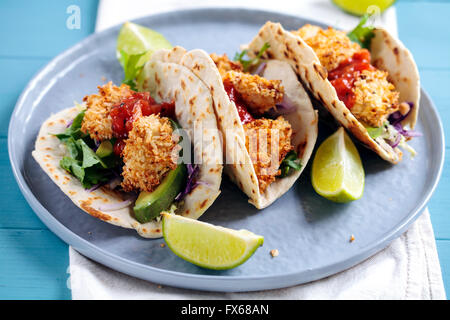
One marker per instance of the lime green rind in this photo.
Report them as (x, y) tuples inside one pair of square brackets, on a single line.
[(347, 185), (135, 45), (359, 12), (253, 246), (136, 39)]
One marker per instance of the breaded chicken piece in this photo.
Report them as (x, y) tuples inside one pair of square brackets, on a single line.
[(258, 93), (150, 152), (331, 46), (267, 141), (97, 121), (375, 98), (224, 64)]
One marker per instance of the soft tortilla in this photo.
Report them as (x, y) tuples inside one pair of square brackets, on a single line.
[(239, 167), (387, 54), (49, 151)]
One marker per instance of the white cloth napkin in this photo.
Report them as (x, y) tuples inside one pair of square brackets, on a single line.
[(407, 269)]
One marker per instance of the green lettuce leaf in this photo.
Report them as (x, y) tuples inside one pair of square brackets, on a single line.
[(249, 63), (82, 161), (291, 161), (132, 66), (74, 131), (375, 132), (362, 34)]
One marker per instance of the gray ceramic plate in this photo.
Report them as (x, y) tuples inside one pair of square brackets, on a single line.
[(311, 233)]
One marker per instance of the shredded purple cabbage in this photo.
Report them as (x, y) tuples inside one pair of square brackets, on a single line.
[(397, 117), (192, 182), (259, 71), (406, 133), (69, 123), (395, 120), (97, 144), (285, 107), (396, 142), (94, 187)]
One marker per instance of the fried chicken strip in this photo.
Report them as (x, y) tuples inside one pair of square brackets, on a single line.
[(375, 98), (150, 152), (267, 141), (331, 46), (259, 94), (224, 64), (97, 121)]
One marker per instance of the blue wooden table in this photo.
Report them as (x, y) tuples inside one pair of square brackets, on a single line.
[(33, 261)]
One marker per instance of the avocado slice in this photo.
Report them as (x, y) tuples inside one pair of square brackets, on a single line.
[(104, 149), (149, 205)]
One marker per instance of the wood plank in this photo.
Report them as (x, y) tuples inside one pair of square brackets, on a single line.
[(42, 31), (440, 203), (15, 211), (436, 83), (33, 265), (423, 2), (443, 248), (422, 27), (18, 73)]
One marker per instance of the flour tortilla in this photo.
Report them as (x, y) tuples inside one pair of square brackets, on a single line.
[(49, 151), (239, 167), (388, 54)]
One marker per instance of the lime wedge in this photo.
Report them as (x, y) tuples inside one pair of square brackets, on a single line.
[(135, 39), (337, 171), (359, 7), (207, 245)]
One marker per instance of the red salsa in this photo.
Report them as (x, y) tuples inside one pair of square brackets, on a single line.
[(244, 115), (118, 146), (132, 107), (343, 77)]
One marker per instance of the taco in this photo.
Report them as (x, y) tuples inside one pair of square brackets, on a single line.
[(366, 79), (123, 156), (266, 118)]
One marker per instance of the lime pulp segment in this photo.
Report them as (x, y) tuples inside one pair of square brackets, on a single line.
[(207, 245), (337, 171)]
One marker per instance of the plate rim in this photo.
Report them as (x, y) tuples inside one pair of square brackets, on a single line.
[(218, 283)]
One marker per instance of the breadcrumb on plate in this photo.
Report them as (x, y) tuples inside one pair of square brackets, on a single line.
[(267, 141), (274, 253), (259, 94), (331, 46), (375, 97), (150, 152), (97, 120)]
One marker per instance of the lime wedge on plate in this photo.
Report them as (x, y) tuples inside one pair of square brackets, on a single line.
[(207, 245), (135, 39), (337, 171), (359, 7)]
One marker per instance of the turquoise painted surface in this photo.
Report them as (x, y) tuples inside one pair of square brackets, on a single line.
[(33, 261), (423, 26)]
